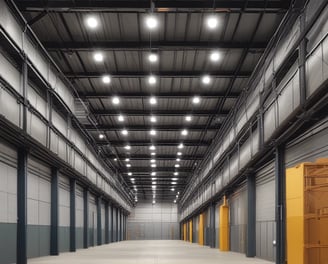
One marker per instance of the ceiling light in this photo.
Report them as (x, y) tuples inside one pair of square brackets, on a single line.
[(128, 147), (128, 165), (174, 179), (98, 57), (178, 192), (178, 159), (154, 183), (120, 118), (152, 147), (172, 189), (179, 153), (153, 187), (196, 99), (130, 173), (106, 79), (136, 200), (153, 100), (153, 57), (116, 100), (206, 79), (92, 22), (153, 153), (177, 196), (181, 146), (177, 165), (152, 80), (153, 179), (153, 119), (127, 160), (124, 132), (132, 179), (115, 159), (152, 132), (151, 22), (176, 173), (174, 183), (152, 161), (214, 56), (212, 22), (188, 118), (153, 173), (154, 201), (153, 165), (101, 136), (175, 201), (184, 132)]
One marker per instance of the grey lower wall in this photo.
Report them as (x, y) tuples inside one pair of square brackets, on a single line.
[(79, 237), (38, 241), (265, 235), (158, 221), (8, 233), (64, 238)]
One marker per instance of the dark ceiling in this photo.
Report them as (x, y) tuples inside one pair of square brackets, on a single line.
[(183, 43)]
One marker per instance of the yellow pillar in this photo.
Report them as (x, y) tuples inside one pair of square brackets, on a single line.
[(185, 232), (201, 229), (224, 226), (190, 231)]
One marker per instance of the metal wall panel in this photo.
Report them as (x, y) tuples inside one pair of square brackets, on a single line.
[(64, 213), (79, 211), (265, 212), (38, 209), (9, 107), (92, 220), (8, 203)]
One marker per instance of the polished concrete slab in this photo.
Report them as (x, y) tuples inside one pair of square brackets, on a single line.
[(149, 252)]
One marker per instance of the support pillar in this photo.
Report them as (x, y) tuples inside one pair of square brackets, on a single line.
[(112, 223), (85, 218), (54, 247), (116, 226), (21, 245), (106, 223), (99, 233), (251, 220), (212, 225), (73, 215), (280, 204)]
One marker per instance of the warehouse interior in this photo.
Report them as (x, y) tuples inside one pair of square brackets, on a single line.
[(162, 131)]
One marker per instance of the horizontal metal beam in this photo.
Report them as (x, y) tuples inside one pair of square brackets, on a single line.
[(138, 112), (162, 74), (148, 170), (147, 128), (170, 95), (162, 5), (157, 157), (167, 143), (144, 45)]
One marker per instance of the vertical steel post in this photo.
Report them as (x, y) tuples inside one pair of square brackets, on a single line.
[(99, 234), (54, 247), (85, 218), (106, 223), (251, 220), (73, 215)]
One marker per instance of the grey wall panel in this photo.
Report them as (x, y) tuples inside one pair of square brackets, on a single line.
[(64, 214), (38, 243), (148, 221), (9, 107), (79, 211), (92, 220), (8, 233)]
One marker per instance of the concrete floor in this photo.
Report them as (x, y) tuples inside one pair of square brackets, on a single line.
[(149, 252)]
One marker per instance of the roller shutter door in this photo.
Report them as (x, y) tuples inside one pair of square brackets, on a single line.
[(92, 220), (79, 211), (8, 203), (265, 212), (64, 213)]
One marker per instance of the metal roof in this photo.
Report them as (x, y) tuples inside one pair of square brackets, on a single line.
[(183, 44)]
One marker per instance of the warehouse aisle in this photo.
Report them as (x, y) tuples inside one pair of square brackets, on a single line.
[(149, 252)]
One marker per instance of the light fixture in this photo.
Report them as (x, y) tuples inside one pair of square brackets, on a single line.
[(128, 165), (152, 147), (115, 159), (153, 187), (174, 183), (153, 173), (152, 100), (152, 161), (175, 201), (174, 179), (153, 183), (212, 22), (153, 165), (124, 132), (136, 200), (152, 132), (106, 79), (215, 56), (179, 153), (152, 80), (128, 147), (92, 22), (176, 173), (184, 132), (153, 119), (151, 22), (181, 146), (177, 196), (98, 57), (177, 165), (127, 159), (115, 100), (153, 154), (153, 179), (178, 159), (154, 201), (101, 136), (132, 179), (172, 189), (120, 118), (206, 79), (188, 118), (196, 99), (130, 173), (152, 57)]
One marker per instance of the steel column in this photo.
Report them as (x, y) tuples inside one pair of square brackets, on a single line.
[(73, 215), (116, 226), (212, 225), (54, 247), (21, 251), (85, 218), (106, 223), (280, 204), (112, 223), (251, 220), (99, 235)]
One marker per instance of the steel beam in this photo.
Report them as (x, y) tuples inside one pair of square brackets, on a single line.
[(166, 143), (21, 243), (132, 112), (144, 45), (54, 243), (157, 157), (251, 219), (166, 128), (73, 215), (160, 169), (161, 74)]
